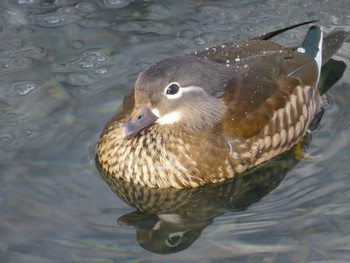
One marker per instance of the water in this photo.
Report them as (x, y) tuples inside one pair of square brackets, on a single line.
[(64, 68)]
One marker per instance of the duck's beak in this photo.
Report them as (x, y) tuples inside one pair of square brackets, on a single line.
[(140, 118)]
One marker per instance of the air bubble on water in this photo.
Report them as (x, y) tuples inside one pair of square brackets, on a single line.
[(199, 41), (93, 22), (8, 46), (25, 91), (15, 16), (5, 63), (77, 44), (63, 2), (134, 39), (186, 34), (90, 59), (21, 63), (159, 27), (67, 10), (86, 64), (87, 7), (101, 71), (8, 142), (129, 26), (156, 27), (211, 10), (21, 2), (10, 64), (27, 132), (56, 19), (116, 3), (31, 52), (158, 11), (22, 88), (80, 79)]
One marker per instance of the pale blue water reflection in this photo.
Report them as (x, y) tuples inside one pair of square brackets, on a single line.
[(64, 68)]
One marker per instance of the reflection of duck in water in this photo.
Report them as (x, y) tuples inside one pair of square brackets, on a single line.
[(206, 117)]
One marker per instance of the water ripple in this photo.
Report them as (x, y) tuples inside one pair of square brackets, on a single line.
[(79, 79), (8, 46), (8, 142), (13, 64), (93, 22), (87, 7), (77, 44), (22, 88), (88, 59), (56, 19), (31, 52), (150, 26), (158, 11), (115, 3)]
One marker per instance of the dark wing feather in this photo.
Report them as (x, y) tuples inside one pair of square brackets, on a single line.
[(268, 76)]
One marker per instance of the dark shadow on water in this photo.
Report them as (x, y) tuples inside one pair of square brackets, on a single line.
[(171, 220)]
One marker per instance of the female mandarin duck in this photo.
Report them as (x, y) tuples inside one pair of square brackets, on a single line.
[(205, 117)]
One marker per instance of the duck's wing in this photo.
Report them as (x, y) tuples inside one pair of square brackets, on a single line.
[(271, 80), (273, 98)]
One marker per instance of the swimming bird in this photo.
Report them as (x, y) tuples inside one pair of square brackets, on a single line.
[(206, 116)]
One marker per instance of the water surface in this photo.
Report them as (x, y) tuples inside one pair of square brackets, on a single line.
[(64, 68)]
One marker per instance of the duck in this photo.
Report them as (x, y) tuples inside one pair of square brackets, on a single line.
[(206, 116)]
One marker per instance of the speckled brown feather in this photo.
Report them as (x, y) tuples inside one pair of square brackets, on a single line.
[(270, 103), (257, 118)]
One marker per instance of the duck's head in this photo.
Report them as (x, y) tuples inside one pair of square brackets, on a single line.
[(182, 90)]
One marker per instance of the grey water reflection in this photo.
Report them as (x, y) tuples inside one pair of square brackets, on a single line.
[(65, 66)]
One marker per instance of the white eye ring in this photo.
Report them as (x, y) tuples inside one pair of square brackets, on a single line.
[(173, 91), (180, 90)]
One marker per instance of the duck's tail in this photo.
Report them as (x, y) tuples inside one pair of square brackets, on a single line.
[(331, 42), (312, 46), (322, 49), (331, 70)]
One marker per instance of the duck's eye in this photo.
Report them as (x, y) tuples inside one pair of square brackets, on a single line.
[(172, 89)]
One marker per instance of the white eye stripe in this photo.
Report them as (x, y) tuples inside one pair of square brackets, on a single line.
[(181, 91), (155, 112), (169, 118)]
